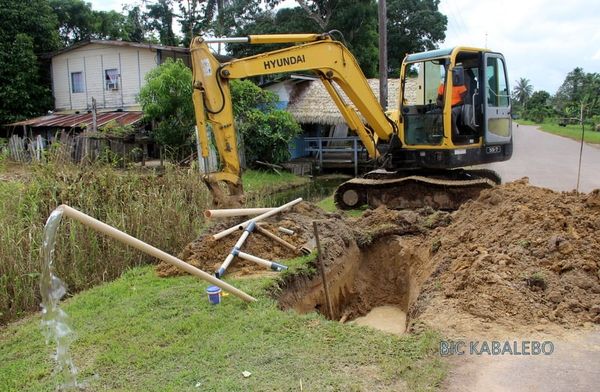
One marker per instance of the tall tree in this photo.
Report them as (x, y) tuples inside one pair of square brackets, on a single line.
[(134, 25), (579, 88), (78, 21), (413, 26), (27, 29), (522, 90), (356, 21), (538, 107), (160, 19), (75, 20)]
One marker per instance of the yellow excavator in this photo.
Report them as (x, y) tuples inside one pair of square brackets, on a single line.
[(421, 147)]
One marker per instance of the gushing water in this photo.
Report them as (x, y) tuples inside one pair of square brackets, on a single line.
[(54, 320)]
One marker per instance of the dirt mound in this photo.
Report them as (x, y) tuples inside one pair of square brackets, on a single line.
[(518, 255)]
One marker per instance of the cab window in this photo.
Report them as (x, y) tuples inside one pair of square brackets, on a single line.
[(497, 87), (422, 118)]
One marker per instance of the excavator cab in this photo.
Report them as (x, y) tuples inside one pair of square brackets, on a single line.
[(455, 107)]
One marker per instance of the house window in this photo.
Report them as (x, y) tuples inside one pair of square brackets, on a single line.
[(77, 82), (111, 78)]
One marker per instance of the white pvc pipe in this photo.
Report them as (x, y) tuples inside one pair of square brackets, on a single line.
[(228, 212), (221, 271), (266, 215), (285, 231), (263, 262), (152, 251)]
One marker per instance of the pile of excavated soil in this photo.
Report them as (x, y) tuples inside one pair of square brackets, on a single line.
[(517, 255)]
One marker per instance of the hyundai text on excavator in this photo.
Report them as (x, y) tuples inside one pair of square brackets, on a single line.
[(421, 147)]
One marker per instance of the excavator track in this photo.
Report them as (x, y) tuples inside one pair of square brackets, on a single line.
[(447, 190)]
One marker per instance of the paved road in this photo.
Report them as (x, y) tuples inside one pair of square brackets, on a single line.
[(550, 161), (573, 366)]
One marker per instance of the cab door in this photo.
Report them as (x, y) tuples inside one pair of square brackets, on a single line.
[(497, 108)]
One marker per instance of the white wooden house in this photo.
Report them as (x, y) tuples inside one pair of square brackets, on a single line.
[(112, 72)]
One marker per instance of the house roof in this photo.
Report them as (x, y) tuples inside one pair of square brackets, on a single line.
[(77, 120), (311, 103), (80, 44)]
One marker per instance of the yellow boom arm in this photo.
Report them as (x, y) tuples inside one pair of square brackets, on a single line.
[(328, 59)]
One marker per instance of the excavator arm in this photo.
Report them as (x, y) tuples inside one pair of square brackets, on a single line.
[(330, 60)]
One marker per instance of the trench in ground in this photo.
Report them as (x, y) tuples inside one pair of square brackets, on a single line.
[(380, 282)]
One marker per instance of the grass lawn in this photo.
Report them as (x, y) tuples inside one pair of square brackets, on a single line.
[(570, 131), (144, 333)]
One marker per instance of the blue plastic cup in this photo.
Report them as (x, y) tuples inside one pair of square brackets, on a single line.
[(214, 295)]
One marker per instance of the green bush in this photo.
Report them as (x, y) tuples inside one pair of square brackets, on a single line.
[(166, 100), (266, 130)]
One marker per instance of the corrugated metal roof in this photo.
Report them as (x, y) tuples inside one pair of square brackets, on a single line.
[(78, 120), (77, 45)]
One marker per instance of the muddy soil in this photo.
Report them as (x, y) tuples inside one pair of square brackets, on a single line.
[(516, 257)]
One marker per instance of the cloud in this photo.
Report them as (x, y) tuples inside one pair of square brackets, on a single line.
[(541, 40)]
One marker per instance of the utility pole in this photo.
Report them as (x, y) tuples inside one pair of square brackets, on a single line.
[(383, 82)]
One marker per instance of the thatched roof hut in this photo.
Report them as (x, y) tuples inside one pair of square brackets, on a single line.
[(310, 103)]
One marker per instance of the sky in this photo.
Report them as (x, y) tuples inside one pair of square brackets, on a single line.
[(542, 40)]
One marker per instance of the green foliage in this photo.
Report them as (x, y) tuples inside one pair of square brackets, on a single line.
[(538, 107), (522, 91), (166, 99), (355, 19), (21, 93), (266, 131), (160, 17), (27, 29), (77, 21), (579, 88), (413, 26)]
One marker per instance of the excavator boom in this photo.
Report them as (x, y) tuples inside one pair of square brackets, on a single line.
[(331, 61)]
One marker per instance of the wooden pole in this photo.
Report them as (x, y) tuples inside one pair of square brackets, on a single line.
[(275, 238), (383, 82), (152, 251), (580, 147), (322, 270)]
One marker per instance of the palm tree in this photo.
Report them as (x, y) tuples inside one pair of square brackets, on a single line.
[(523, 90)]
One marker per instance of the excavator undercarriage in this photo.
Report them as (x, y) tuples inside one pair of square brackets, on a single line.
[(442, 189)]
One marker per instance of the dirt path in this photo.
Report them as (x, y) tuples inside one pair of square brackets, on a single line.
[(573, 366), (550, 161)]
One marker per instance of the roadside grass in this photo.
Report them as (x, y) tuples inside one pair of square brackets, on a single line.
[(328, 205), (571, 131), (144, 333), (162, 208)]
